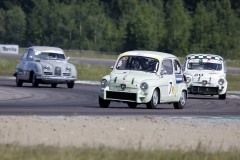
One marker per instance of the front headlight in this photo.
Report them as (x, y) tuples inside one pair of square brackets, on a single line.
[(104, 83), (188, 79), (68, 69), (144, 86), (47, 68), (221, 81)]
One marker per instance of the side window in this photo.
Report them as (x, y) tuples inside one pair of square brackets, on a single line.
[(177, 67), (167, 65), (24, 56), (30, 54)]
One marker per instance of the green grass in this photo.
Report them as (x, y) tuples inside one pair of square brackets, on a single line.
[(13, 152), (91, 72), (233, 82)]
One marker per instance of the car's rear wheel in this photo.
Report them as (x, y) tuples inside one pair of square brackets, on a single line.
[(70, 84), (103, 103), (35, 81), (222, 96), (54, 85), (19, 82), (154, 100), (182, 101), (132, 105)]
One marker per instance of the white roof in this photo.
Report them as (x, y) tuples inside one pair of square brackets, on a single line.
[(152, 54), (206, 56)]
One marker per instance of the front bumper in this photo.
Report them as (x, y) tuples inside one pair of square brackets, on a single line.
[(135, 95), (207, 90), (56, 79)]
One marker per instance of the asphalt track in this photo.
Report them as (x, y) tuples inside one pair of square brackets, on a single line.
[(83, 100)]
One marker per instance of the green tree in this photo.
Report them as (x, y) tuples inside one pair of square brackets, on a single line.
[(178, 24), (201, 32), (39, 30), (2, 26), (224, 31), (144, 30), (15, 25)]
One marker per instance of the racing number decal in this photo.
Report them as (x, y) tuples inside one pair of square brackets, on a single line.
[(170, 88)]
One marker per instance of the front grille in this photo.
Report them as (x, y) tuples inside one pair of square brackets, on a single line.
[(66, 74), (121, 96), (48, 73), (205, 90), (58, 71)]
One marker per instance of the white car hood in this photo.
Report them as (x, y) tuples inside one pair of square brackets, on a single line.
[(130, 76), (208, 75)]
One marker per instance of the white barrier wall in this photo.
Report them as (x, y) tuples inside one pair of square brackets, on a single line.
[(11, 49)]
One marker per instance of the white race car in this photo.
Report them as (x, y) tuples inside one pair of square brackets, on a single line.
[(206, 74), (144, 77)]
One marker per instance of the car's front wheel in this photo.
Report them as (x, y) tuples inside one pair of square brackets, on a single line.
[(35, 81), (103, 103), (154, 100), (222, 96), (19, 82), (182, 101), (71, 84)]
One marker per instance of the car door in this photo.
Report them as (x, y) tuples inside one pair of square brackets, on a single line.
[(167, 80), (21, 66), (178, 75), (29, 64)]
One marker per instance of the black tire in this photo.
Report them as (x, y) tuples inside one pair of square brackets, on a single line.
[(54, 85), (71, 84), (103, 103), (19, 82), (132, 105), (154, 100), (182, 101), (35, 81), (222, 96)]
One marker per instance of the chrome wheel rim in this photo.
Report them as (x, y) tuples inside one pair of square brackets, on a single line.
[(183, 99), (155, 98)]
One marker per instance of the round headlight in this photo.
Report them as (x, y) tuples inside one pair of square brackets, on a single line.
[(221, 81), (144, 86), (104, 83), (188, 79), (68, 69), (47, 68)]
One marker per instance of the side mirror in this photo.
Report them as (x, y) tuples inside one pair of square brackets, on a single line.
[(30, 58), (68, 58), (112, 67), (163, 72)]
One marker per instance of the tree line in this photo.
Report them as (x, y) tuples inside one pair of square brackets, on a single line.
[(175, 26)]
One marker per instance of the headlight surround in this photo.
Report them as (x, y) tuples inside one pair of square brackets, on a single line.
[(221, 81), (189, 79), (68, 69), (144, 86), (47, 68), (104, 83)]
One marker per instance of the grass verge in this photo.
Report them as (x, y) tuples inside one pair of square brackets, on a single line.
[(13, 152)]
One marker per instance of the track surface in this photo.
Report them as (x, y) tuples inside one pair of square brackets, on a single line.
[(83, 100)]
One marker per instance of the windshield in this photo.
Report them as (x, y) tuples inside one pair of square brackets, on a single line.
[(138, 63), (50, 55), (200, 64)]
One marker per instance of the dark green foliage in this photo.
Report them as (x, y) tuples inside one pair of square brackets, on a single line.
[(177, 26)]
